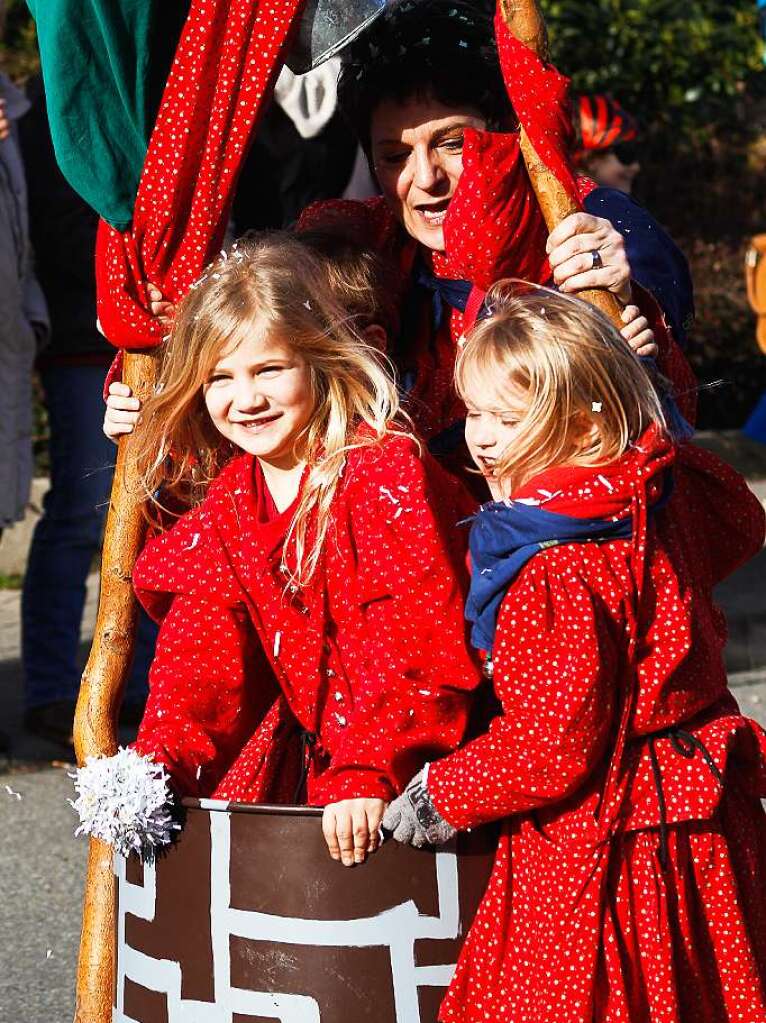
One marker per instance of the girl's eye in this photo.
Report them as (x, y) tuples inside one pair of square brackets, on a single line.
[(270, 370), (216, 378), (509, 422), (453, 145)]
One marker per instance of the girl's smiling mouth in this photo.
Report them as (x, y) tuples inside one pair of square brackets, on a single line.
[(256, 425)]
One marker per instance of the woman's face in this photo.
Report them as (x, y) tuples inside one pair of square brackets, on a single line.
[(417, 154), (259, 396)]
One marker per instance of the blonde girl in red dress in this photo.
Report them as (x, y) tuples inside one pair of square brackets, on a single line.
[(630, 879), (312, 641)]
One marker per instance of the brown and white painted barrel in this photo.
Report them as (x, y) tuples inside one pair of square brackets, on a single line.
[(246, 919)]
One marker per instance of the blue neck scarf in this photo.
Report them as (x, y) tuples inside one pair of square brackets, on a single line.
[(503, 539), (445, 292)]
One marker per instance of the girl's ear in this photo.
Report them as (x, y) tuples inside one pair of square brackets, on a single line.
[(376, 337), (587, 430)]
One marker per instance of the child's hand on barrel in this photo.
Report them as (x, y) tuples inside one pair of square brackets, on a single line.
[(352, 829), (413, 819)]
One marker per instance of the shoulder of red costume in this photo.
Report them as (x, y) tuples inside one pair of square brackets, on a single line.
[(590, 578), (397, 481), (386, 459), (234, 480), (367, 221), (193, 539), (707, 476)]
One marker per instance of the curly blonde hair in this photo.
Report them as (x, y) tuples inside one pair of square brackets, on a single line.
[(268, 283), (586, 396)]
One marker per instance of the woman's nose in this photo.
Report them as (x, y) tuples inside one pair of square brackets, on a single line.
[(428, 171)]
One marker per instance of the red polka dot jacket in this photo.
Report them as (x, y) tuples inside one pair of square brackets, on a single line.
[(591, 632), (370, 657)]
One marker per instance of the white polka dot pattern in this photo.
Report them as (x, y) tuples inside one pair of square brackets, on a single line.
[(573, 927), (370, 656), (227, 61)]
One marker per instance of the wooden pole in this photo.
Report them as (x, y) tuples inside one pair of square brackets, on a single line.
[(525, 21), (98, 705)]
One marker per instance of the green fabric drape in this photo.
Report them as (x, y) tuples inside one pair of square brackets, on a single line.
[(104, 64)]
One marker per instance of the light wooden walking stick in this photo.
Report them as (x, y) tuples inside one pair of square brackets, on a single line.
[(95, 731), (228, 49), (525, 21)]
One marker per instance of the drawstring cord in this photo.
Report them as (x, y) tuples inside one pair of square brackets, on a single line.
[(687, 745), (308, 741)]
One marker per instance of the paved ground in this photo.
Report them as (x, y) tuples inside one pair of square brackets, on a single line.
[(42, 866), (41, 881)]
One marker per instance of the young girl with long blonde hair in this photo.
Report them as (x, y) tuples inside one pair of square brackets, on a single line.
[(630, 878), (312, 642)]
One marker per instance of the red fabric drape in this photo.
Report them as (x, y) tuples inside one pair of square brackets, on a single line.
[(540, 97), (227, 61)]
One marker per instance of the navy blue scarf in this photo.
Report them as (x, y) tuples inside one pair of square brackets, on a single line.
[(503, 539), (445, 292)]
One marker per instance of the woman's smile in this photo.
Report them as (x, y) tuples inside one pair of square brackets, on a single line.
[(434, 215)]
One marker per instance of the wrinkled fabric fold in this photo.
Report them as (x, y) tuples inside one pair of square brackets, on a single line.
[(227, 62)]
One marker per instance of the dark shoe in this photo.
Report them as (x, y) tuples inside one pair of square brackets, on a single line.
[(52, 721)]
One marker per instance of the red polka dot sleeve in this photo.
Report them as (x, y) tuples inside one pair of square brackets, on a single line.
[(411, 667), (210, 682), (556, 660)]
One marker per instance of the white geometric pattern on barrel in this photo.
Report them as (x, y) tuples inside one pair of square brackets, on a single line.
[(398, 928)]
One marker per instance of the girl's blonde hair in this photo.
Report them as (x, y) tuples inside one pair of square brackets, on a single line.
[(584, 394), (269, 284)]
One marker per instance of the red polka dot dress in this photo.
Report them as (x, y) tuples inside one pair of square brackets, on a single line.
[(368, 662), (630, 878)]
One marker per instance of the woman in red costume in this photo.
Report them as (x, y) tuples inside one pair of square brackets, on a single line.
[(433, 94), (630, 878), (434, 100)]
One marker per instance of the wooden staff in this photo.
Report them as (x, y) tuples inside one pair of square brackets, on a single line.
[(526, 23), (98, 705), (103, 682)]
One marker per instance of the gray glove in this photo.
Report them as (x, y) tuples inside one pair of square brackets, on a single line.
[(413, 819)]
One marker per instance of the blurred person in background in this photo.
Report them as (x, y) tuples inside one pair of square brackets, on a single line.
[(755, 279), (72, 369), (607, 142), (23, 315), (304, 151)]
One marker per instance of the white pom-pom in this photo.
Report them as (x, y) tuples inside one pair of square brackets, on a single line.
[(125, 800)]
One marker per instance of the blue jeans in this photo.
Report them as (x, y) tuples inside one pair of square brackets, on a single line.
[(66, 540)]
